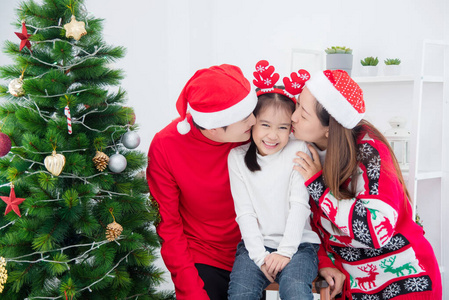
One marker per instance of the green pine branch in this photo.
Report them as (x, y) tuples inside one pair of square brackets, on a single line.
[(59, 247)]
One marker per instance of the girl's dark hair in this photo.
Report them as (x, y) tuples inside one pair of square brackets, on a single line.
[(264, 101)]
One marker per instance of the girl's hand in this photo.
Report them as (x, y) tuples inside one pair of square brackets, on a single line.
[(275, 263), (307, 166), (264, 270), (334, 278)]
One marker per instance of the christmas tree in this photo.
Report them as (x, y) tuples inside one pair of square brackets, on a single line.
[(75, 216)]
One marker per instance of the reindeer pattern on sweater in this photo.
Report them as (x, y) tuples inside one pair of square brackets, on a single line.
[(372, 237)]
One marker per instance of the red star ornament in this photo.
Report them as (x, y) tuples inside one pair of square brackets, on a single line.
[(12, 203), (24, 37)]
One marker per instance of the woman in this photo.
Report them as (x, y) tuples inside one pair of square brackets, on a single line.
[(360, 203)]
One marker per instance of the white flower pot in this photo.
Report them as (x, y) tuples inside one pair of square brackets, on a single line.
[(370, 70), (339, 61), (392, 70)]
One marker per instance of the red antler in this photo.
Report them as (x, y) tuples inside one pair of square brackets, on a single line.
[(265, 78), (295, 85)]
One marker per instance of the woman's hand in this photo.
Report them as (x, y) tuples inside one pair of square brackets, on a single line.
[(307, 166), (275, 263), (334, 278)]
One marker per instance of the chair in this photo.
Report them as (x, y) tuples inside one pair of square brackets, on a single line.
[(319, 285)]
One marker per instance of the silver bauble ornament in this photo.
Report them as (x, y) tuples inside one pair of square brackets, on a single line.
[(15, 87), (131, 140), (117, 163)]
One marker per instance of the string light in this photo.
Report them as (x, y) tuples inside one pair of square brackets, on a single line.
[(60, 95), (92, 284), (93, 246), (68, 67), (10, 223)]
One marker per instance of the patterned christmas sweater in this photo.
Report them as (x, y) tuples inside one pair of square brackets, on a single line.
[(377, 245)]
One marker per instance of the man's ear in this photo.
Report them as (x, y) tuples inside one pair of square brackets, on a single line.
[(212, 132)]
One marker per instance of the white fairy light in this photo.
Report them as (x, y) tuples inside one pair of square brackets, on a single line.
[(93, 246), (60, 95), (10, 223), (89, 286)]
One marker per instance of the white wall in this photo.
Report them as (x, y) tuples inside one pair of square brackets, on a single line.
[(168, 40)]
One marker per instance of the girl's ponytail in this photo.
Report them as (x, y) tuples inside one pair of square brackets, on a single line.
[(251, 157)]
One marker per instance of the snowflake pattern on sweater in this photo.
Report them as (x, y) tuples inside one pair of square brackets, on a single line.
[(381, 263)]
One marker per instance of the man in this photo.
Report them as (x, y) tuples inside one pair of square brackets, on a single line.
[(188, 177)]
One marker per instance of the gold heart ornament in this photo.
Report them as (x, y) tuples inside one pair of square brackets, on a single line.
[(55, 163)]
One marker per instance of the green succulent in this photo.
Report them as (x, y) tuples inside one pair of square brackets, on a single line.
[(392, 61), (369, 61), (338, 49)]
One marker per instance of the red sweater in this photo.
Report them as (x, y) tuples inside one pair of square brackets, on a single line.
[(188, 177), (377, 245)]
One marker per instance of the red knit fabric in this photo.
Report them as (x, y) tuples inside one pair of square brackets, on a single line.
[(378, 246), (188, 177), (348, 88)]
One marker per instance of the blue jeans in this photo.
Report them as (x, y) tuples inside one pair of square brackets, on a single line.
[(295, 280)]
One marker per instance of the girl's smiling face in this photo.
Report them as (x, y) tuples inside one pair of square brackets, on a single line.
[(272, 129)]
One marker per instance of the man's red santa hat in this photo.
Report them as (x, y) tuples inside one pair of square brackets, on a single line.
[(216, 97)]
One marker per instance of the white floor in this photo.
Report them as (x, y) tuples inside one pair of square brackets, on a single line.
[(272, 295)]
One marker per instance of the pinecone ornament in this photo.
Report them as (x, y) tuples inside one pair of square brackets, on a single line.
[(113, 231), (101, 161)]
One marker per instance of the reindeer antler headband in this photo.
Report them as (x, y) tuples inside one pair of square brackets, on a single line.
[(265, 79)]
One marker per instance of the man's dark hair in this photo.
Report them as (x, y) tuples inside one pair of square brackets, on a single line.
[(202, 128)]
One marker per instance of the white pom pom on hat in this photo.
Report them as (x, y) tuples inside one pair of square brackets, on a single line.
[(217, 96), (340, 95), (183, 126)]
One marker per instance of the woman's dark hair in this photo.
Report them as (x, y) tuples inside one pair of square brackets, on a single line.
[(264, 101), (341, 161), (322, 114)]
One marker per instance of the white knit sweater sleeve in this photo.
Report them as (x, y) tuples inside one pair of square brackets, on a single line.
[(299, 211), (246, 216)]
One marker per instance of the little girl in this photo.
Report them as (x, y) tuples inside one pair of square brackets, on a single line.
[(270, 198)]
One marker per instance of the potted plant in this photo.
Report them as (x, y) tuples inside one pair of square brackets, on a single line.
[(370, 66), (339, 58), (392, 66)]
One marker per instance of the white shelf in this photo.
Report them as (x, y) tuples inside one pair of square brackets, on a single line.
[(437, 79), (436, 42), (380, 79), (428, 175)]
